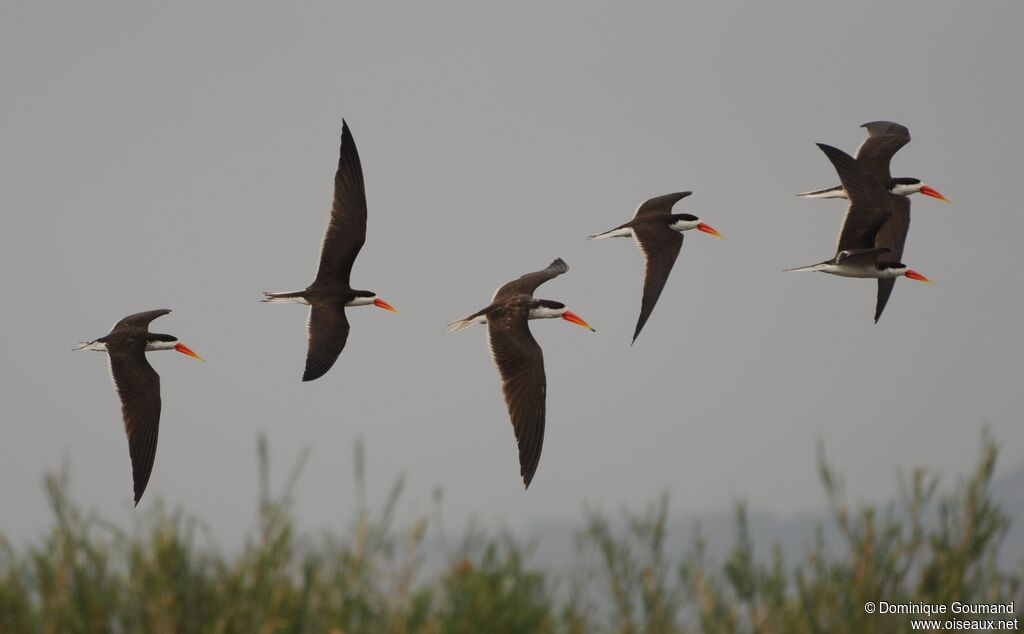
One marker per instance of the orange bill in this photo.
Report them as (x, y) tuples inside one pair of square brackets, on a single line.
[(380, 303), (576, 319), (934, 193), (183, 349), (914, 275), (706, 228)]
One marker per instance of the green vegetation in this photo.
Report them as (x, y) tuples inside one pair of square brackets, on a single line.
[(86, 576)]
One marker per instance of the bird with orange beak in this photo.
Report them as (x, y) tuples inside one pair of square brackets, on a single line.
[(659, 234), (885, 138), (519, 357), (874, 231), (331, 293), (138, 385)]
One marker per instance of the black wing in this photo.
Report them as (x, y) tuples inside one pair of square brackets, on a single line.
[(885, 138), (520, 362), (660, 246), (869, 207), (892, 236), (528, 283), (659, 205), (327, 330), (138, 386), (138, 321), (346, 232)]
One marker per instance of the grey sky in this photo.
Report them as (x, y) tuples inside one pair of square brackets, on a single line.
[(182, 157)]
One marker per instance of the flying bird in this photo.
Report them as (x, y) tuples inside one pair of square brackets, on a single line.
[(138, 385), (519, 358), (874, 230), (659, 235), (864, 263), (884, 139), (330, 293)]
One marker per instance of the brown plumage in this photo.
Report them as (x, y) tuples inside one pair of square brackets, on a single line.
[(138, 386), (327, 326), (875, 218), (658, 233), (885, 138), (519, 358)]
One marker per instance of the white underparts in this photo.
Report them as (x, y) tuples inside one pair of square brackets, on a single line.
[(868, 272)]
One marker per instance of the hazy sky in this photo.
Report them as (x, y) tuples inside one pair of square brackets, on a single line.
[(164, 156)]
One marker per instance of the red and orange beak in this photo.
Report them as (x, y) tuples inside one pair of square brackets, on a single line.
[(934, 193), (706, 228), (183, 349), (914, 275), (576, 319), (380, 303)]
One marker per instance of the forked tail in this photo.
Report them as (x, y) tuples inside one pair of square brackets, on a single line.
[(813, 267), (831, 192), (617, 232), (291, 297), (462, 324)]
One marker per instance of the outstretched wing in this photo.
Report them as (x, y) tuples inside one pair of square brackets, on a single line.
[(138, 321), (346, 231), (659, 205), (528, 283), (520, 362), (327, 330), (138, 386), (892, 236), (885, 138), (660, 246), (868, 209)]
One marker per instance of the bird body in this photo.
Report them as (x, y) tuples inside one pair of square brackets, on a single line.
[(519, 358), (874, 230), (884, 139), (863, 263), (331, 293), (659, 236), (138, 385)]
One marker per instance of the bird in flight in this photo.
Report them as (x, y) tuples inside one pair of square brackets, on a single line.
[(138, 385), (874, 230), (659, 234), (518, 356), (884, 139), (331, 292)]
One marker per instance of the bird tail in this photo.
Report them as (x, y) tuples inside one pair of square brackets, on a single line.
[(813, 267), (462, 324), (455, 327), (617, 232), (831, 192), (291, 297)]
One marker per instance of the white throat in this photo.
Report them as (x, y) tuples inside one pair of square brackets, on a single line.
[(160, 345), (543, 312), (685, 225), (362, 301), (905, 190)]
